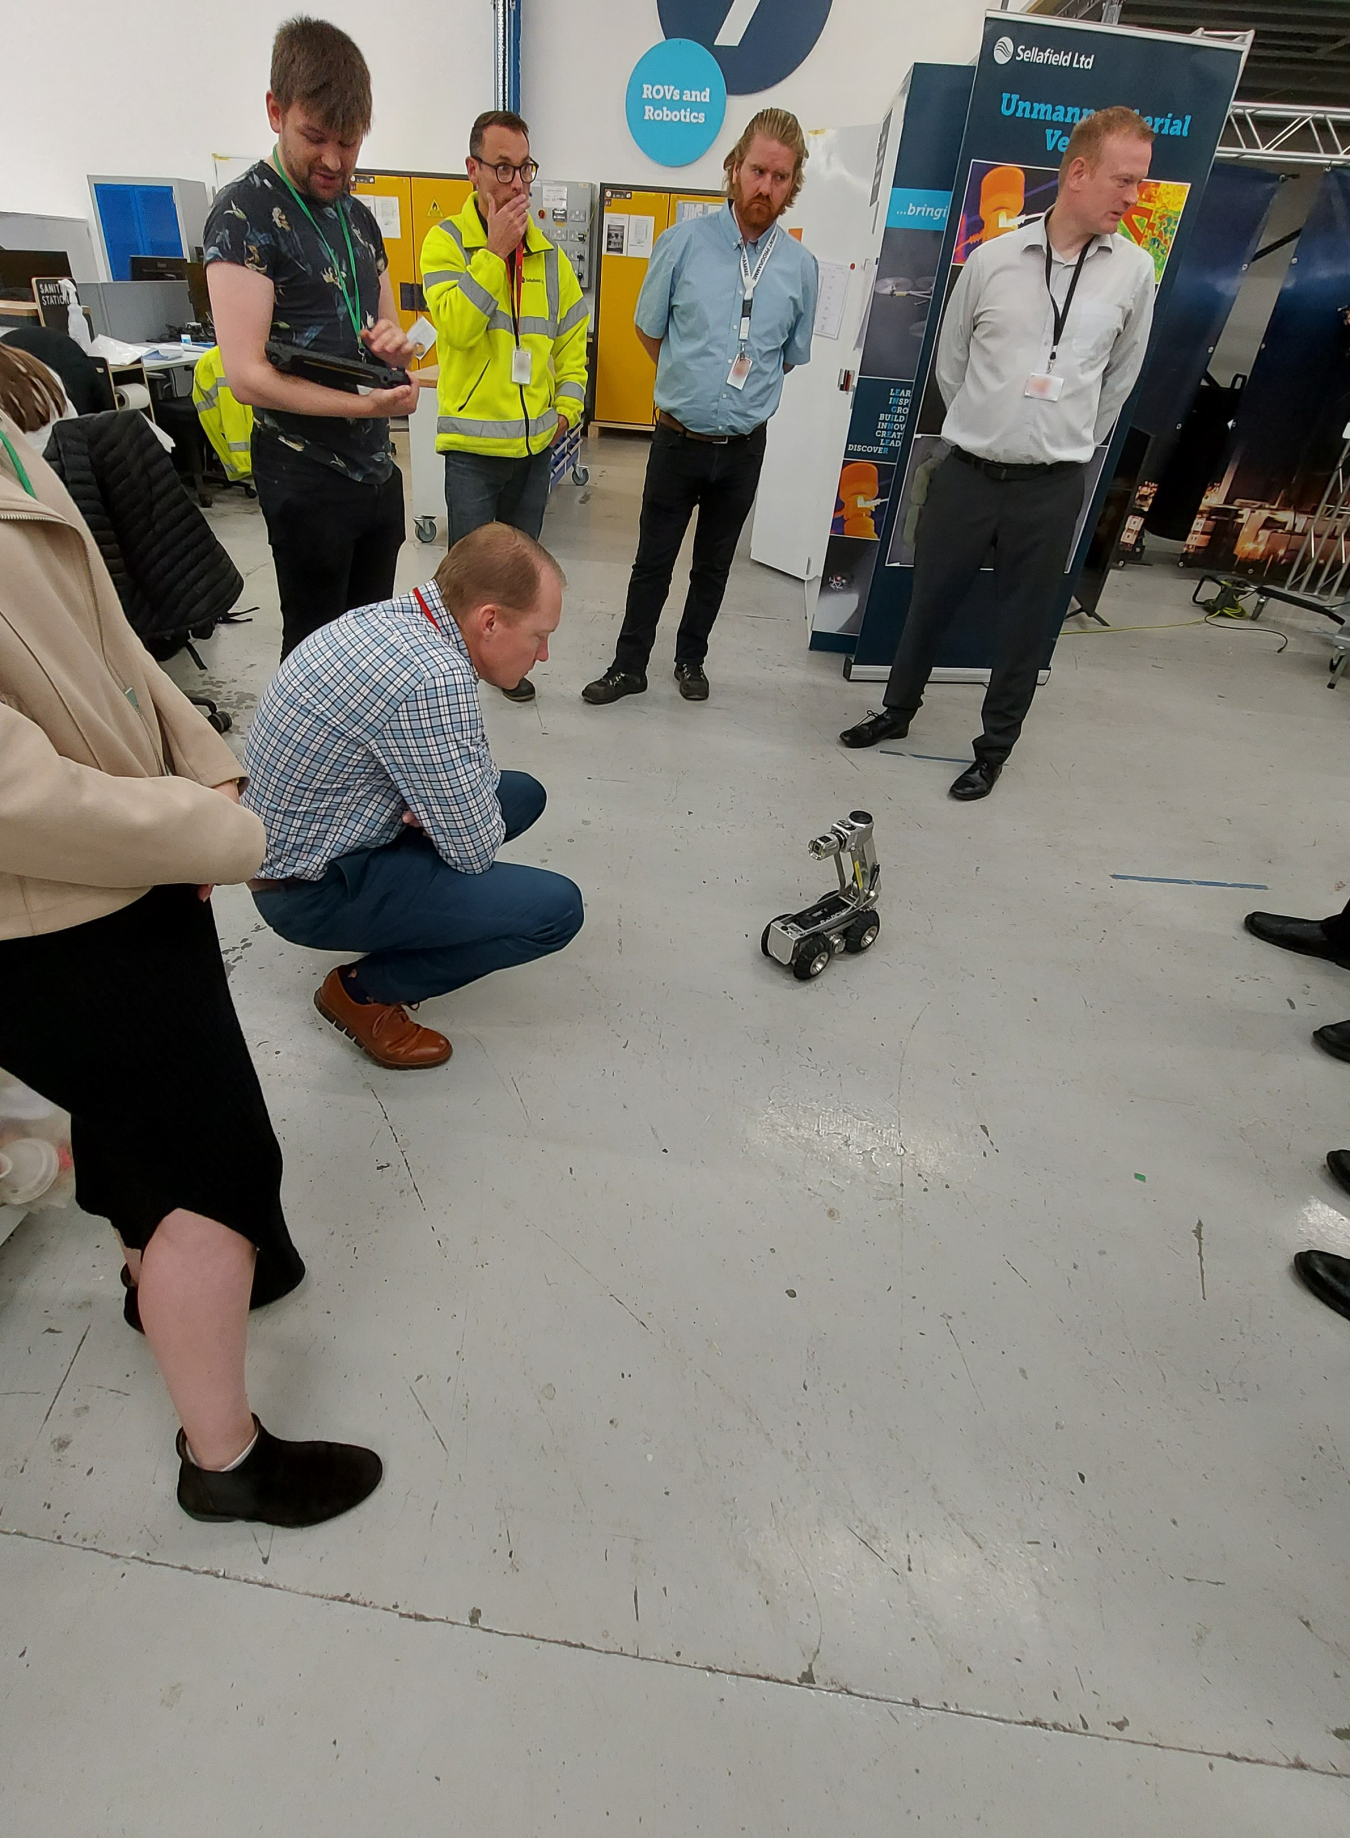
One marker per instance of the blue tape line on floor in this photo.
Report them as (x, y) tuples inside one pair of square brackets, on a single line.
[(1173, 880), (903, 753)]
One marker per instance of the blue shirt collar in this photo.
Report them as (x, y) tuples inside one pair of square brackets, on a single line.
[(733, 232)]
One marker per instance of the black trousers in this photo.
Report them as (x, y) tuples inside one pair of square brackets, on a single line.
[(1028, 524), (1337, 930), (335, 540), (685, 475)]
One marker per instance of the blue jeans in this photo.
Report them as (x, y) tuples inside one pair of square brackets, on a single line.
[(480, 488), (426, 927)]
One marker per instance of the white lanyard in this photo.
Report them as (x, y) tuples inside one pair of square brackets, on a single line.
[(750, 279)]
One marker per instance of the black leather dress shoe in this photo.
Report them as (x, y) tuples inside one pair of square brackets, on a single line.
[(1328, 1276), (1302, 935), (280, 1483), (879, 724), (613, 684), (1338, 1167), (1334, 1038), (977, 781), (267, 1287), (523, 691), (693, 684)]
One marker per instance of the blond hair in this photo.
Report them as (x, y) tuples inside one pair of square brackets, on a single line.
[(494, 565), (775, 124), (1091, 132)]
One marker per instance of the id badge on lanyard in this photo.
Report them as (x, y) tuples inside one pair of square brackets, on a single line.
[(1045, 385), (742, 362), (522, 366)]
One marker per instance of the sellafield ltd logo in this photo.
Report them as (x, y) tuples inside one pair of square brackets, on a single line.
[(662, 93), (1006, 52)]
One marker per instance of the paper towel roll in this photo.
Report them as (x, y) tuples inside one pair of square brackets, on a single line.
[(132, 395)]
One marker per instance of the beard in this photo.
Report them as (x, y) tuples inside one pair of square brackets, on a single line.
[(757, 213)]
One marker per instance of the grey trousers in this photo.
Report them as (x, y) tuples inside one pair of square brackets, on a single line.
[(1028, 524)]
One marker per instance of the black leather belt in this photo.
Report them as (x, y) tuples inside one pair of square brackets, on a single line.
[(714, 440), (1009, 474)]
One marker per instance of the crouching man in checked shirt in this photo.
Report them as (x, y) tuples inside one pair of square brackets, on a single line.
[(384, 812)]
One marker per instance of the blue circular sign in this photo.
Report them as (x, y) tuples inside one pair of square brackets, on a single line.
[(676, 101), (756, 42)]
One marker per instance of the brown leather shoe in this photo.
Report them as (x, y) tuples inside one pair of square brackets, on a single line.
[(384, 1030)]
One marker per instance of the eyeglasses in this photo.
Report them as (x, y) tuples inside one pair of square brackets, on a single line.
[(528, 170)]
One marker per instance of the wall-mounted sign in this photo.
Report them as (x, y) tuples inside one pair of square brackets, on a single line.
[(756, 42), (676, 101)]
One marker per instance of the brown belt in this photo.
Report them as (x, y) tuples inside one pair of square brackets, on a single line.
[(714, 440)]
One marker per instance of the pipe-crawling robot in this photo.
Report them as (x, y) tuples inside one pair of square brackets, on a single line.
[(845, 920)]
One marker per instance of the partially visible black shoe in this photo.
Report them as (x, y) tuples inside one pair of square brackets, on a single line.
[(1334, 1038), (1327, 1276), (523, 691), (267, 1287), (1338, 1167), (1302, 935), (693, 684), (613, 684), (280, 1483), (878, 724), (977, 781)]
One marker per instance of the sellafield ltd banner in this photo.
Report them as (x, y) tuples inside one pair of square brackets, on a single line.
[(1033, 80)]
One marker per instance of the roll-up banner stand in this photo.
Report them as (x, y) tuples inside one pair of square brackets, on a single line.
[(1034, 78)]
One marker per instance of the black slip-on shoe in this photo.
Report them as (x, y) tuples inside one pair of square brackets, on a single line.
[(1327, 1276), (523, 691), (1302, 935), (1338, 1167), (1334, 1038), (280, 1483)]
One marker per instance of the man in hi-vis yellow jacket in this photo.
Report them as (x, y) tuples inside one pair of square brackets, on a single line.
[(510, 342)]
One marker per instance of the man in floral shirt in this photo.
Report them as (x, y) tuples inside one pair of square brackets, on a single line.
[(292, 255)]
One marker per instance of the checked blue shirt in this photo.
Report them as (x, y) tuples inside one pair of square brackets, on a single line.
[(370, 716)]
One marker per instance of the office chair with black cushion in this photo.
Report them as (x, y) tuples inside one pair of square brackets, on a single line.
[(174, 579)]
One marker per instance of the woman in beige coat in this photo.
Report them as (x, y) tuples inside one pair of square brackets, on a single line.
[(119, 808)]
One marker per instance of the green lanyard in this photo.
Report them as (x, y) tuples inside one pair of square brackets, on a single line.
[(353, 310), (24, 480)]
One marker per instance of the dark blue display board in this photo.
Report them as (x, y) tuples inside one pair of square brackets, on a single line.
[(1034, 78), (935, 105)]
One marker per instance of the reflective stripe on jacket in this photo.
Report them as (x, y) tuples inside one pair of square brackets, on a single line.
[(226, 422), (469, 299)]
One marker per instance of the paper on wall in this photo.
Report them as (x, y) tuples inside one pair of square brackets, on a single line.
[(555, 202), (830, 300), (616, 233), (386, 214), (640, 238)]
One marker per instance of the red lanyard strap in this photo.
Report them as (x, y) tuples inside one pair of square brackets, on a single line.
[(417, 595)]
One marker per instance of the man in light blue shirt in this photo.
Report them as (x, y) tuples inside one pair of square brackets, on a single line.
[(726, 310)]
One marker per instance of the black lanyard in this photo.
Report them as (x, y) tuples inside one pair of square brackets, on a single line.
[(1061, 313)]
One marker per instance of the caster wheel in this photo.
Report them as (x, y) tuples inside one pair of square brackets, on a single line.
[(426, 529), (764, 937), (219, 720), (862, 934), (810, 958), (581, 475)]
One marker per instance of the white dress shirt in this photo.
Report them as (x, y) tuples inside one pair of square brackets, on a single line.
[(999, 330)]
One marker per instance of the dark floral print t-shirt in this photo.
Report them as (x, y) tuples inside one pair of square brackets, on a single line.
[(256, 223)]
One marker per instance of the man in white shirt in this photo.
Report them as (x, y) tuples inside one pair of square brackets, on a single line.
[(1042, 342)]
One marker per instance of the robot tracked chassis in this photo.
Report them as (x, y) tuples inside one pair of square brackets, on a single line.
[(844, 920)]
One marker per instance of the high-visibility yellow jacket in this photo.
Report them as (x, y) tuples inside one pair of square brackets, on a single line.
[(226, 422), (470, 302)]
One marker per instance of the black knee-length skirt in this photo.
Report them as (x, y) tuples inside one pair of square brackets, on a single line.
[(127, 1023)]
